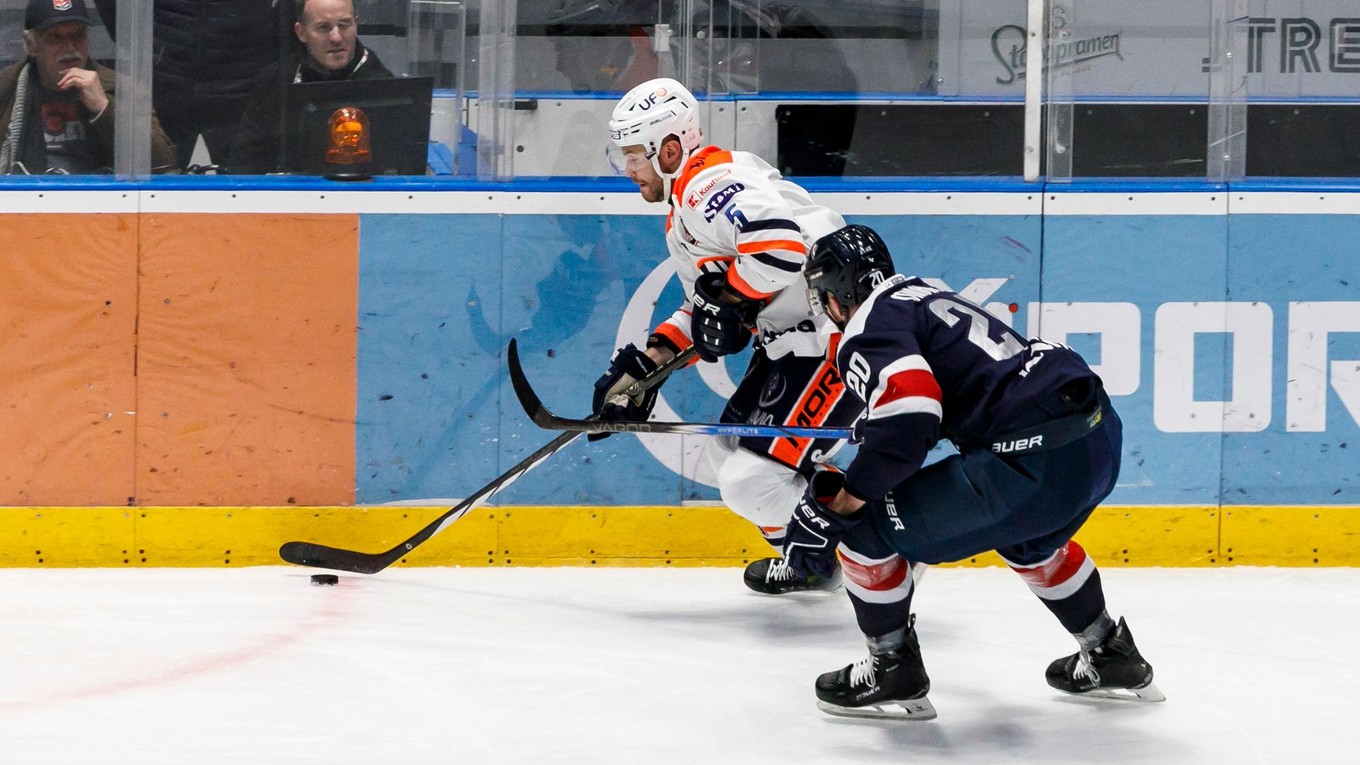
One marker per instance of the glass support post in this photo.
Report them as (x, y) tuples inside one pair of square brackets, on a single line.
[(1061, 16), (1034, 39), (1227, 152), (131, 121), (496, 90)]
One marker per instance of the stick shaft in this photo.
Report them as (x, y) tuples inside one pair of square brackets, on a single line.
[(355, 561)]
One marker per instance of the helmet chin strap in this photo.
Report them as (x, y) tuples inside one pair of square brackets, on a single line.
[(840, 309), (668, 179)]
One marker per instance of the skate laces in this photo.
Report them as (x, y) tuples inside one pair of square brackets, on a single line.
[(862, 671), (780, 571), (1084, 668)]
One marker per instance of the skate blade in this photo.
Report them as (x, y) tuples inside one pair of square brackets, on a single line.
[(1149, 692), (912, 709)]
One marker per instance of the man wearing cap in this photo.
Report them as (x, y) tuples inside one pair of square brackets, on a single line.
[(57, 105)]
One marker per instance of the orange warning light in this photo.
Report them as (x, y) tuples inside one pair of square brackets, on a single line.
[(349, 137)]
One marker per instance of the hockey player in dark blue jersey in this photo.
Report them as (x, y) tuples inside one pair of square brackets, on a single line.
[(1039, 447)]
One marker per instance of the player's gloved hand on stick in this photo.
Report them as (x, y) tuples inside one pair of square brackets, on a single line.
[(628, 365), (815, 531), (718, 328)]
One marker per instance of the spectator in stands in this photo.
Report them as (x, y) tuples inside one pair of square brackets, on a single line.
[(331, 51), (57, 105), (206, 54)]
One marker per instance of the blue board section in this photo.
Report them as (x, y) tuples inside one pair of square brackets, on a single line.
[(1307, 270), (429, 373), (1233, 341)]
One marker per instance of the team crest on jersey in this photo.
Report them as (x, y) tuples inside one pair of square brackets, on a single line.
[(721, 200), (773, 391), (684, 232)]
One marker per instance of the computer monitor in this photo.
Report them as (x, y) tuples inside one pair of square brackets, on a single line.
[(398, 111)]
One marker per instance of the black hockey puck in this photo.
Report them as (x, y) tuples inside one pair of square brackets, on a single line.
[(325, 579)]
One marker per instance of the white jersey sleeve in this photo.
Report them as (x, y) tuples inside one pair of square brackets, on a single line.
[(733, 212)]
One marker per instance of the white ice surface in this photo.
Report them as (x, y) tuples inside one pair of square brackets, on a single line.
[(414, 666)]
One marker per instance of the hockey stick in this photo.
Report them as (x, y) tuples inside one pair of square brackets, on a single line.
[(542, 417), (337, 559)]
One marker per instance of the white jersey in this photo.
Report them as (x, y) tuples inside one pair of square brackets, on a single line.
[(733, 212)]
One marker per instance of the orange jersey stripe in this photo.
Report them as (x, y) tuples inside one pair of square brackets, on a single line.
[(673, 334), (743, 288), (813, 407), (773, 244)]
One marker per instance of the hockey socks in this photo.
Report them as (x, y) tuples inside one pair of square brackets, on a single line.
[(1068, 584)]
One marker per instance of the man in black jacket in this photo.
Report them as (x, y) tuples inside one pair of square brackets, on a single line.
[(328, 31), (206, 54)]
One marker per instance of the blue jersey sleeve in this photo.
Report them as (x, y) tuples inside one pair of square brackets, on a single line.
[(902, 409)]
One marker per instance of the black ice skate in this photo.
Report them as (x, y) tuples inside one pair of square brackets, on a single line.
[(1114, 669), (772, 576), (892, 685)]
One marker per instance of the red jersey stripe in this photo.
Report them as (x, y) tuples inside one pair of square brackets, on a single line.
[(909, 383)]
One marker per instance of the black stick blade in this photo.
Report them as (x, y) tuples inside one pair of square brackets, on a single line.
[(333, 558), (533, 405)]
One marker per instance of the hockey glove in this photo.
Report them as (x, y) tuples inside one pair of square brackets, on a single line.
[(718, 328), (628, 365), (815, 531)]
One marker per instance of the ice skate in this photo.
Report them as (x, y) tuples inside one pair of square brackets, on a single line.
[(773, 576), (891, 685), (1114, 669)]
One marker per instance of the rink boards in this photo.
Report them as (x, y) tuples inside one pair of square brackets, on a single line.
[(192, 372)]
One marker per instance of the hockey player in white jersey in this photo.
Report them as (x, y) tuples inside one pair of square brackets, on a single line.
[(738, 233)]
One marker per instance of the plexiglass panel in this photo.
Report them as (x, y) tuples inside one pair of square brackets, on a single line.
[(256, 87), (1302, 70), (54, 87), (1129, 85), (819, 88), (1216, 89)]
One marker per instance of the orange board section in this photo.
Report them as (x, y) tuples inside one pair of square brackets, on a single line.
[(68, 322), (246, 359)]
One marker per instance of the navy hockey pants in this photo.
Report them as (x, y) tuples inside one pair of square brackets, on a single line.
[(1025, 507)]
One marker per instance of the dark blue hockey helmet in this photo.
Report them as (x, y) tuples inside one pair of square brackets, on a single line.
[(848, 263)]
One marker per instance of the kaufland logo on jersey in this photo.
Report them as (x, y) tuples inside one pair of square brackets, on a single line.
[(697, 196)]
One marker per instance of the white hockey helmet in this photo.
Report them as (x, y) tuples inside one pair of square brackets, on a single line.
[(650, 112)]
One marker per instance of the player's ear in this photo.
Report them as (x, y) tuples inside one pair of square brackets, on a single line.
[(28, 42), (670, 154)]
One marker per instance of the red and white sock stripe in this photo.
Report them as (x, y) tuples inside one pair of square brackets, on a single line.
[(876, 580), (1061, 575)]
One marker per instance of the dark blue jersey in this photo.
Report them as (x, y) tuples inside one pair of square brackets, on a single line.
[(929, 365)]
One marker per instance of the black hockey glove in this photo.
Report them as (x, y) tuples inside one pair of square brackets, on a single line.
[(718, 328), (628, 365), (815, 530)]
